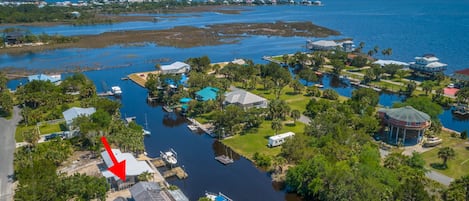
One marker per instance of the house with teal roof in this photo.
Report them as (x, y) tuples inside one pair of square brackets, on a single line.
[(207, 93)]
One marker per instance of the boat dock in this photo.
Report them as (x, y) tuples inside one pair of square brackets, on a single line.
[(107, 93), (225, 160), (177, 171), (357, 84), (167, 109), (198, 125)]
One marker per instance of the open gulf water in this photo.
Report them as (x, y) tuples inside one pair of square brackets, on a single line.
[(410, 28)]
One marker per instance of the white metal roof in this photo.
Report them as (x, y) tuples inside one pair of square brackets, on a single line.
[(325, 43), (281, 136), (174, 66), (74, 112), (132, 166), (387, 62), (435, 65)]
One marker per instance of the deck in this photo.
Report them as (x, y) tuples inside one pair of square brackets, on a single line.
[(107, 93), (225, 160), (177, 171)]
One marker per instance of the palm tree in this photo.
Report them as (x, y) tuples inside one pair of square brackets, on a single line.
[(32, 136), (446, 153), (370, 53), (376, 49), (427, 86), (145, 176), (295, 114), (276, 125), (401, 73)]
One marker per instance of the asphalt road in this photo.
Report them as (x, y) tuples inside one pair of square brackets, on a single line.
[(7, 148)]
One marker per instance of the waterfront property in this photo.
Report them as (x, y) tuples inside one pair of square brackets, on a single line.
[(74, 112), (133, 168), (152, 191), (383, 63), (207, 93), (325, 45), (13, 38), (462, 75), (175, 68), (428, 64), (245, 99), (279, 139), (42, 77), (406, 124)]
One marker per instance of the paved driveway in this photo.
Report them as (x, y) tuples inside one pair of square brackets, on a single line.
[(7, 148)]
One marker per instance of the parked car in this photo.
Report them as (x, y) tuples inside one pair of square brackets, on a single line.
[(52, 136)]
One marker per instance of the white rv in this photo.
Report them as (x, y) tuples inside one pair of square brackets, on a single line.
[(279, 139)]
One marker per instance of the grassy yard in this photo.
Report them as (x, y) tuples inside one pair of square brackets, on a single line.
[(256, 141), (44, 129), (458, 166)]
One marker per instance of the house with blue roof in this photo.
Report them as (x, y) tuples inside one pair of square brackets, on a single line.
[(207, 93), (42, 77), (74, 112)]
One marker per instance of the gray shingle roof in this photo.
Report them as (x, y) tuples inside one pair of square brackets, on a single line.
[(147, 191), (407, 114), (242, 97)]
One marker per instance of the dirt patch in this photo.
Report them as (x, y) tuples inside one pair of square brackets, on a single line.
[(82, 162)]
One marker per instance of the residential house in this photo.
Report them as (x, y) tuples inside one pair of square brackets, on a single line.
[(325, 45), (207, 93), (245, 99), (133, 169), (151, 191), (13, 38), (428, 64), (175, 68), (42, 77), (74, 112), (462, 75)]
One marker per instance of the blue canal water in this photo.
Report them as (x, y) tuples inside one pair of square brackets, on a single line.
[(410, 28)]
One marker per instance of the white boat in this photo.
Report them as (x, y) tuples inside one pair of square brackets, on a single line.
[(217, 197), (192, 127), (169, 156), (146, 132), (319, 85), (116, 90)]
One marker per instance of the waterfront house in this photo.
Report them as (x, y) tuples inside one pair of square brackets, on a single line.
[(325, 45), (74, 112), (207, 93), (462, 75), (245, 99), (175, 68), (133, 168), (42, 77), (383, 63), (152, 191), (406, 124), (427, 64), (13, 38)]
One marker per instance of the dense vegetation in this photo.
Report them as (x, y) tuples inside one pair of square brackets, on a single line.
[(6, 99)]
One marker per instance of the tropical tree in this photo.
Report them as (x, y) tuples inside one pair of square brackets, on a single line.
[(401, 73), (276, 125), (32, 136), (330, 94), (278, 109), (295, 114), (446, 153), (463, 94), (458, 189), (392, 69), (313, 91), (411, 86), (145, 176), (427, 86), (308, 75), (297, 86), (338, 66), (387, 52)]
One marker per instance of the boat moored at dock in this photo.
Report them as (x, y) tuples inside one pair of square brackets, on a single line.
[(169, 156)]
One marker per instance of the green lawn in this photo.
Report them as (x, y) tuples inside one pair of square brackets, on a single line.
[(256, 141), (44, 129), (458, 166)]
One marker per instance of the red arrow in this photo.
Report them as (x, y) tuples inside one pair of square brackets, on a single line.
[(118, 168)]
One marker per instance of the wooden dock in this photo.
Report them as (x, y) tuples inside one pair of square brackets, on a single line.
[(107, 93), (177, 171), (158, 162), (141, 78)]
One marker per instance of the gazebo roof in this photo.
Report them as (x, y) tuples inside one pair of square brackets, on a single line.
[(407, 114)]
